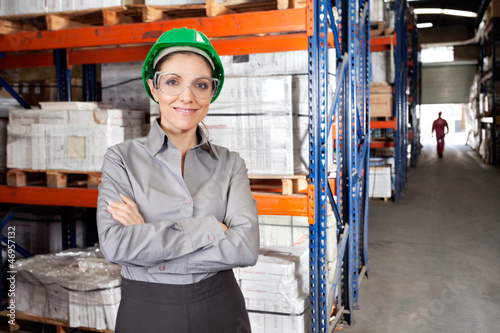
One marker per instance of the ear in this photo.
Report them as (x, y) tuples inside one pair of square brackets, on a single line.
[(154, 92)]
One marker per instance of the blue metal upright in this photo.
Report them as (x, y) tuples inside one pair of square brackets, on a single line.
[(328, 305), (401, 99), (415, 92), (63, 73), (318, 177), (89, 83)]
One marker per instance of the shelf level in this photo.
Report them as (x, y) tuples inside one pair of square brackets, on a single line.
[(381, 124), (267, 204), (382, 144), (244, 24)]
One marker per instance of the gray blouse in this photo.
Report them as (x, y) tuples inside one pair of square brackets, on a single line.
[(181, 241)]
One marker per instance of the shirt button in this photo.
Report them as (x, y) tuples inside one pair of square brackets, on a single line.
[(162, 268), (188, 201), (211, 237)]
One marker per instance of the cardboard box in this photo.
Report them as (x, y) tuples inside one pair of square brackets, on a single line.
[(381, 105)]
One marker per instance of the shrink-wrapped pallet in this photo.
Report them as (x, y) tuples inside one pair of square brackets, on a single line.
[(77, 286)]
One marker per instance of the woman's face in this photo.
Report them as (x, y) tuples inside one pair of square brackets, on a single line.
[(182, 113)]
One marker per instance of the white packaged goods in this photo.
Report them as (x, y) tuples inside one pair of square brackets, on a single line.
[(264, 119), (23, 7), (64, 106), (292, 230), (273, 63), (377, 11), (380, 183), (19, 146), (173, 2), (80, 287), (55, 139), (122, 86), (276, 290), (382, 66), (279, 316), (281, 273)]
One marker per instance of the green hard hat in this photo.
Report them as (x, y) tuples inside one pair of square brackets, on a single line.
[(178, 38)]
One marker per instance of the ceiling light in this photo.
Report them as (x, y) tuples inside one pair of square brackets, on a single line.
[(452, 12), (424, 25), (428, 11), (455, 12)]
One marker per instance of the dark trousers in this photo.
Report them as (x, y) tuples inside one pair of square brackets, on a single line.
[(214, 305), (440, 145)]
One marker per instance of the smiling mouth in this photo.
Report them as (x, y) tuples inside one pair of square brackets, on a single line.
[(184, 111)]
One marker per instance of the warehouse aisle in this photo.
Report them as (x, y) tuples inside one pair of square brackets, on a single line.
[(434, 256)]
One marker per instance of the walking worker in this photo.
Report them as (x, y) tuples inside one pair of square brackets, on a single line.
[(174, 210), (438, 126)]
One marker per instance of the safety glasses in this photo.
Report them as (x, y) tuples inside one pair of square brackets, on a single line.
[(173, 84)]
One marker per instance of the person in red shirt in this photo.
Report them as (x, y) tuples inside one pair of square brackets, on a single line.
[(438, 126)]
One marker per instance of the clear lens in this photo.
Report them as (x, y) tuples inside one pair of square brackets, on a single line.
[(173, 84)]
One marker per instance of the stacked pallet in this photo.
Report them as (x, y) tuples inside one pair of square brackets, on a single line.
[(28, 15), (77, 287), (68, 135), (276, 290), (262, 112)]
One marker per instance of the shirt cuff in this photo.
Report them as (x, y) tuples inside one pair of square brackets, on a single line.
[(202, 231)]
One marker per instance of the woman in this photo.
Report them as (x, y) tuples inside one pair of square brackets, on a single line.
[(174, 210)]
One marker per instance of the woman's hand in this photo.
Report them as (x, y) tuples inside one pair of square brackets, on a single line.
[(126, 213), (224, 227)]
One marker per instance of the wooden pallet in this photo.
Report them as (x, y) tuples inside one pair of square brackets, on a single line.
[(60, 325), (381, 32), (135, 14), (52, 178), (285, 185)]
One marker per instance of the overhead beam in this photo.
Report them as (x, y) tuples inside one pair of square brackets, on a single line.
[(254, 23)]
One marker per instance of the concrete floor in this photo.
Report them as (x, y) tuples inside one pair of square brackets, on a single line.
[(434, 257)]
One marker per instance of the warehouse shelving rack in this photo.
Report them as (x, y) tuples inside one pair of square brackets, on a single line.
[(407, 76), (401, 99), (488, 86), (272, 31)]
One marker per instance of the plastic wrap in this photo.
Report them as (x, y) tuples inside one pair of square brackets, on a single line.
[(80, 287)]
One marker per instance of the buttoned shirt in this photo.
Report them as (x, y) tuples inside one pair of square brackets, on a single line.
[(181, 241)]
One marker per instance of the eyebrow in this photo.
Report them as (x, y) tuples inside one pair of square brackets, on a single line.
[(197, 76)]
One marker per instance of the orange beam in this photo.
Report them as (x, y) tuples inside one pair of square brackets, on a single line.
[(291, 42), (267, 204), (382, 43), (75, 197), (382, 144), (384, 124), (223, 46), (275, 204), (253, 23)]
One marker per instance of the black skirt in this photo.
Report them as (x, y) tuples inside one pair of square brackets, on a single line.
[(214, 305)]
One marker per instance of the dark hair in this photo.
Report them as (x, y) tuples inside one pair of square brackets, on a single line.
[(168, 56)]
